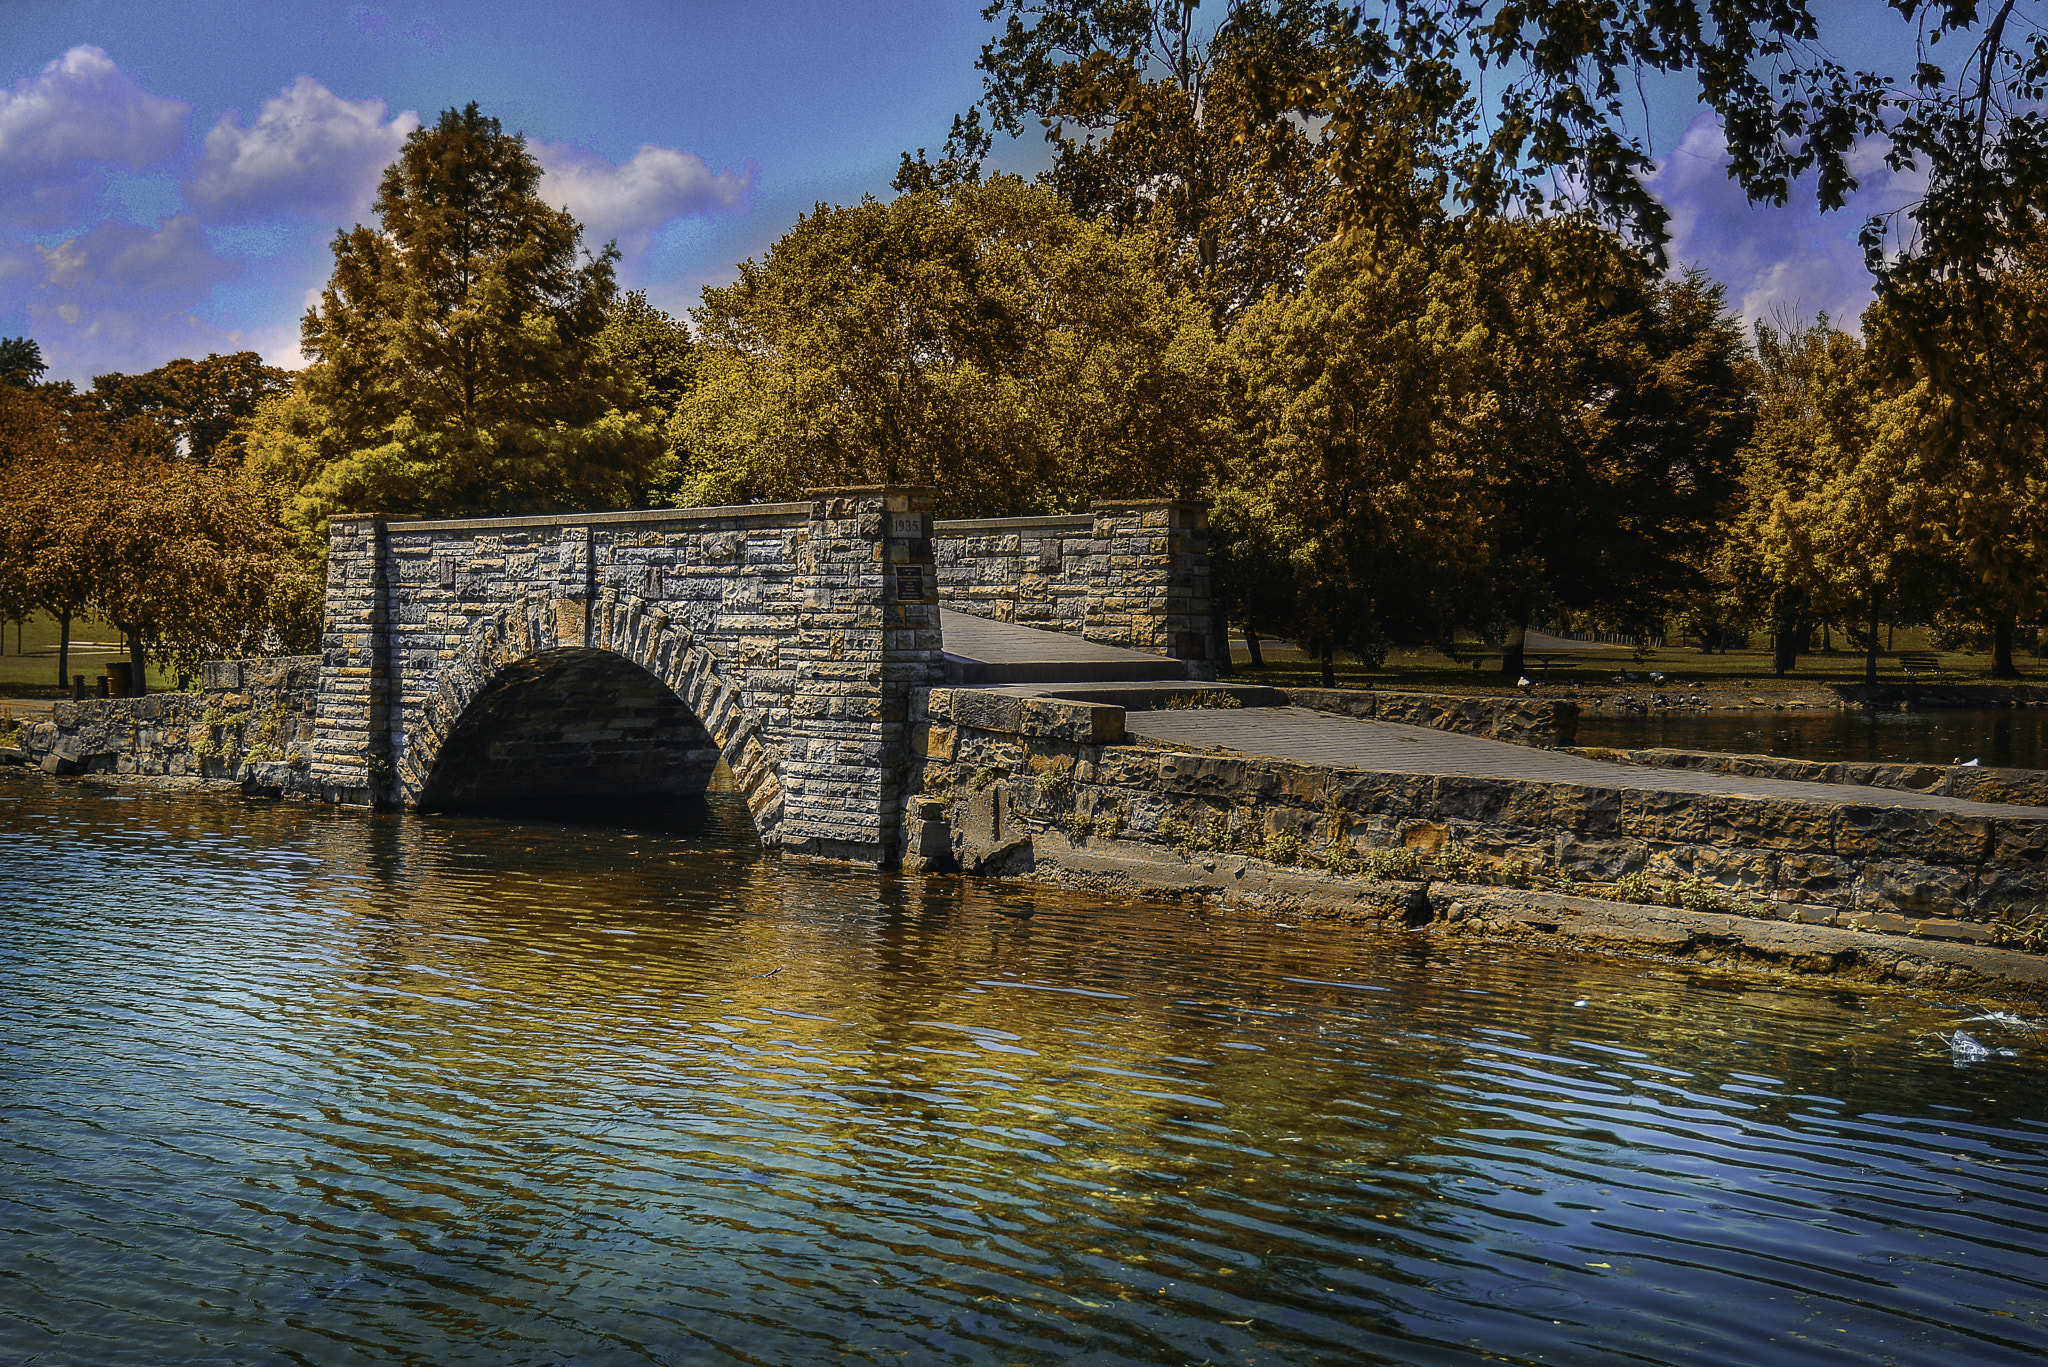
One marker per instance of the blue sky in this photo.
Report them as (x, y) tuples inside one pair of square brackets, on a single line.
[(170, 176)]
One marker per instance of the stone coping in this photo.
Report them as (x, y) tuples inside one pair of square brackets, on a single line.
[(1971, 783), (1060, 522), (757, 512), (1519, 720), (1084, 723)]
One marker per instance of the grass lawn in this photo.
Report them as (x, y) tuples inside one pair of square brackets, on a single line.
[(28, 658), (1596, 667)]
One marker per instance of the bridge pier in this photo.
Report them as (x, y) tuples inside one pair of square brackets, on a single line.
[(794, 634)]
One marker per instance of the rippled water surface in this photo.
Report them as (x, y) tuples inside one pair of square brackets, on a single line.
[(2016, 738), (283, 1085)]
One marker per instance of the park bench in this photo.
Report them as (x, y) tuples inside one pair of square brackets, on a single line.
[(1916, 662)]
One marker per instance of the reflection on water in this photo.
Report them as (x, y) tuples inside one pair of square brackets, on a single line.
[(281, 1085), (2016, 738)]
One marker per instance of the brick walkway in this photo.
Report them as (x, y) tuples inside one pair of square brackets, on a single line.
[(1320, 738)]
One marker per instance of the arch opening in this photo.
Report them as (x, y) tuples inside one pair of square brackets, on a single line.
[(571, 724)]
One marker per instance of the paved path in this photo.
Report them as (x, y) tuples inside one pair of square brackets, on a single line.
[(1322, 738), (980, 651)]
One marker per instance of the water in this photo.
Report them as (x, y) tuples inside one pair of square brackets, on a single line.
[(2016, 738), (282, 1085)]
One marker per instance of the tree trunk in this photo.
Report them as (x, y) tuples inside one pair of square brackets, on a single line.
[(1870, 658), (139, 664), (1329, 655), (1512, 656), (1251, 644), (64, 649), (2002, 666), (1785, 648)]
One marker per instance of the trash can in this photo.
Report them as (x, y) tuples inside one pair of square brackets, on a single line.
[(120, 679)]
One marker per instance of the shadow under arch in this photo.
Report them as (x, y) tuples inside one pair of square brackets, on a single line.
[(512, 714), (568, 723)]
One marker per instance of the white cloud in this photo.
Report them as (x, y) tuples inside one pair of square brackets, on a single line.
[(630, 202), (119, 296), (1775, 260), (309, 152), (60, 127)]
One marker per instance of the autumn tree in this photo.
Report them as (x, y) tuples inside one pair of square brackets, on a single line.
[(1365, 399), (187, 562), (41, 565), (202, 404), (1151, 119), (455, 366), (985, 341), (1843, 515)]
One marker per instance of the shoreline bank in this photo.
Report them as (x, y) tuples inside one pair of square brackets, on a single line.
[(1532, 918)]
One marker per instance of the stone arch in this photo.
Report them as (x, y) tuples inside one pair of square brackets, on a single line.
[(540, 642)]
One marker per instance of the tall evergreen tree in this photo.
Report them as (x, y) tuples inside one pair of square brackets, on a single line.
[(455, 361)]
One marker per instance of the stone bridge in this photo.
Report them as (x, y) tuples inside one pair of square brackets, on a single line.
[(625, 654)]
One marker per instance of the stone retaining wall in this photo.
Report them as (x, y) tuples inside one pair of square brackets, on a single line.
[(1131, 573), (1972, 783), (999, 772), (251, 723), (1523, 721)]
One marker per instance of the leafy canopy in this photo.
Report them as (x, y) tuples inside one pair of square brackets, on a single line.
[(987, 342), (1492, 420), (455, 367), (1153, 125)]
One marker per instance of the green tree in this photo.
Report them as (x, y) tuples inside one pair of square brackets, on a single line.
[(1843, 515), (1152, 126), (203, 404), (455, 367), (987, 342), (1501, 417), (656, 358), (1613, 446), (21, 361), (1365, 400)]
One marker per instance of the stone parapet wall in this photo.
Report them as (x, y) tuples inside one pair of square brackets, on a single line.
[(1972, 783), (1132, 573), (1033, 571), (996, 775), (252, 723)]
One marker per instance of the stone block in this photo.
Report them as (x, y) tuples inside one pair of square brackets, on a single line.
[(1588, 811), (1602, 859), (2019, 842), (1672, 818), (1912, 833), (1911, 888), (1770, 823), (1808, 876)]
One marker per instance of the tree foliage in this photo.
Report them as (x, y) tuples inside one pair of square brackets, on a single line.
[(21, 361), (202, 404), (1153, 126), (1507, 94), (101, 515), (1843, 515), (987, 342), (1487, 423), (455, 367)]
